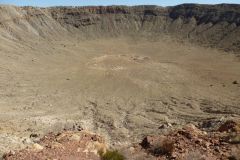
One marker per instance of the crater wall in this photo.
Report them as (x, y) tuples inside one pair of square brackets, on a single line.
[(208, 25)]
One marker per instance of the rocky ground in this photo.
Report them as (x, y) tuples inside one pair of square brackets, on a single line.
[(65, 145), (192, 143), (188, 143)]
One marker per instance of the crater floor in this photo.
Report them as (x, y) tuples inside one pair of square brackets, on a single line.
[(122, 88)]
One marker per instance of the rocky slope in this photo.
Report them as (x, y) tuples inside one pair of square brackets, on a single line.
[(187, 143), (208, 25)]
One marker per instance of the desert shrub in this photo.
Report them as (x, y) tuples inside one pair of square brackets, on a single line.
[(111, 155)]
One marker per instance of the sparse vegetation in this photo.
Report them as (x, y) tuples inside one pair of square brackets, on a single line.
[(111, 155)]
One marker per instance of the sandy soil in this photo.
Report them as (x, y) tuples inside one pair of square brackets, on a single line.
[(121, 88)]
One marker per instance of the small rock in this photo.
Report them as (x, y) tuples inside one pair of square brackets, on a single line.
[(164, 126), (189, 104), (198, 141), (217, 149), (55, 145), (95, 147), (37, 147), (29, 129), (100, 147), (230, 126), (34, 135), (192, 130), (147, 141), (74, 137), (11, 152), (224, 143), (169, 124), (158, 145), (206, 144), (208, 124), (174, 155), (60, 136), (94, 138), (26, 141), (222, 119), (132, 149), (235, 82), (77, 127)]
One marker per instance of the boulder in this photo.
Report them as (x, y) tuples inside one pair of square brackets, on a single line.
[(230, 126)]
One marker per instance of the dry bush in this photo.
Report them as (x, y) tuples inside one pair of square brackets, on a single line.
[(111, 155)]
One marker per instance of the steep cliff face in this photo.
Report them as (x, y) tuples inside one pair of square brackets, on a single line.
[(208, 13), (215, 26), (211, 25)]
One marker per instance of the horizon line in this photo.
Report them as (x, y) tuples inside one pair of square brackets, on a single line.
[(4, 4)]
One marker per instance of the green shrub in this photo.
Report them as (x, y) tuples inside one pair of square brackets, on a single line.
[(112, 155)]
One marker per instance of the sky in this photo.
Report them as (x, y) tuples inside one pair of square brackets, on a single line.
[(46, 3)]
